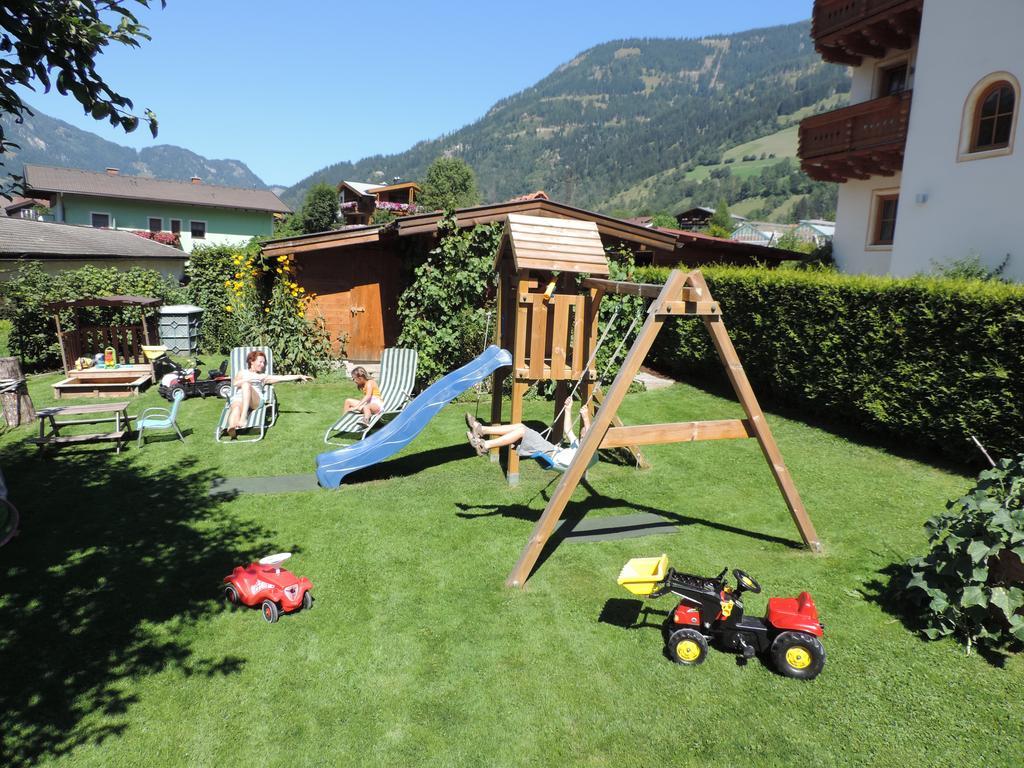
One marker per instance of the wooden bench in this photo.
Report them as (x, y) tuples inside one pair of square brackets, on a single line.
[(52, 437)]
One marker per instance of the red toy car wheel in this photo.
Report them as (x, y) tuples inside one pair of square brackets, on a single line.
[(798, 654), (307, 600), (270, 611), (687, 646), (231, 595)]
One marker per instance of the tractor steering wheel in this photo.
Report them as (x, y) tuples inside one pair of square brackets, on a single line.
[(746, 582)]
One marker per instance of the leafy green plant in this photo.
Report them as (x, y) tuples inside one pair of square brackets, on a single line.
[(969, 268), (271, 309), (448, 184), (970, 584), (210, 271), (319, 212), (443, 311)]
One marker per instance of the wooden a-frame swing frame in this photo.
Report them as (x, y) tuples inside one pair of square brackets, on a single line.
[(683, 294)]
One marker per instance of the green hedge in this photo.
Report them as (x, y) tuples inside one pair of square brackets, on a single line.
[(926, 361), (209, 270)]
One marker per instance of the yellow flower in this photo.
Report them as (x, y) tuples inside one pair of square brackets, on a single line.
[(228, 308)]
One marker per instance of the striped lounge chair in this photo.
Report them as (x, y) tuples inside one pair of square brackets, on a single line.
[(396, 380), (261, 417)]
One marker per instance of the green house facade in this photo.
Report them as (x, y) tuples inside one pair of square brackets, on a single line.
[(197, 213)]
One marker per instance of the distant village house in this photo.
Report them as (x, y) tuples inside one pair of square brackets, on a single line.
[(193, 213)]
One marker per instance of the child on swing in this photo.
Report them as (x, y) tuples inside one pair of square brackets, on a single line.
[(530, 441), (371, 402)]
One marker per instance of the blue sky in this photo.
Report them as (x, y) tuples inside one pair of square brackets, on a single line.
[(288, 88)]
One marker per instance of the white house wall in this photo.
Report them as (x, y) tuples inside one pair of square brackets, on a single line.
[(850, 247), (951, 208)]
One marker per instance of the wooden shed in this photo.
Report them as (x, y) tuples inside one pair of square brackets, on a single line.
[(358, 275)]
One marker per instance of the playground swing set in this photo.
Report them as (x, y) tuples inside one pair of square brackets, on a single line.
[(552, 277)]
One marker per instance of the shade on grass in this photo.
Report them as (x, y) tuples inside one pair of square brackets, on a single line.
[(115, 650)]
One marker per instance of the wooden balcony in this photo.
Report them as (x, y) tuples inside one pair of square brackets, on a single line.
[(856, 142), (845, 31)]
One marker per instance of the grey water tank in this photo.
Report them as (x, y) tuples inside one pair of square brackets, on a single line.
[(179, 327)]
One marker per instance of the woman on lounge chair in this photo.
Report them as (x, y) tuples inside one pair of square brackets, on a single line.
[(249, 389)]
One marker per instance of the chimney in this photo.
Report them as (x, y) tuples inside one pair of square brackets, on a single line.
[(112, 171), (196, 180)]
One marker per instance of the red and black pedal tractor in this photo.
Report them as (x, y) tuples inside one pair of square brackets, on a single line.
[(712, 611)]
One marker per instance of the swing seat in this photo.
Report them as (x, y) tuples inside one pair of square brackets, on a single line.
[(550, 463)]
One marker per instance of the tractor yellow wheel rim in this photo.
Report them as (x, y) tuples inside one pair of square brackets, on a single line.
[(687, 650), (798, 657)]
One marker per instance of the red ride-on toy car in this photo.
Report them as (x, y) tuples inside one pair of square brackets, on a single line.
[(266, 584), (190, 381), (711, 610)]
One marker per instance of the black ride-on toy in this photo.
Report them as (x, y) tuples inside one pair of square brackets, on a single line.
[(173, 377), (711, 611)]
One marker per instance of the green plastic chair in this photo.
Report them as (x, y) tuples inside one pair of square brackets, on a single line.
[(151, 419)]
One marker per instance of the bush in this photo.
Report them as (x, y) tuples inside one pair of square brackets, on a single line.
[(969, 585), (33, 334), (443, 310), (926, 361), (271, 309), (210, 270)]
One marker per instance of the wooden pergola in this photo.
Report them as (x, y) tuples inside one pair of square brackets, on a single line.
[(127, 340)]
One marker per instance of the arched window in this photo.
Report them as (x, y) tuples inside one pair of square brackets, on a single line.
[(990, 117), (993, 117)]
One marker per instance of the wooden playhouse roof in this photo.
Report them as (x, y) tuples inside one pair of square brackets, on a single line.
[(553, 245)]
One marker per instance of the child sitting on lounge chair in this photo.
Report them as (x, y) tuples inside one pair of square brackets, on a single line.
[(371, 403), (531, 443)]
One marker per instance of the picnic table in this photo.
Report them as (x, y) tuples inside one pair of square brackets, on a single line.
[(100, 413)]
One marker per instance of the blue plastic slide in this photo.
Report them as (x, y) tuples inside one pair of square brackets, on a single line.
[(334, 465)]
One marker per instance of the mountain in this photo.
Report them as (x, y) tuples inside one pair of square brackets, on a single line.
[(44, 140), (624, 125)]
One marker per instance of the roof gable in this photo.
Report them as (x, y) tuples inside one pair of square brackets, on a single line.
[(553, 245), (30, 238), (43, 178)]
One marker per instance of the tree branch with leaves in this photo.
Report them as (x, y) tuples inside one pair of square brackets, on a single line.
[(55, 43)]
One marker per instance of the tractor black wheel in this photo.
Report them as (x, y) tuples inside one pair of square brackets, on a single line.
[(687, 646), (231, 596), (307, 600), (224, 391), (271, 612), (798, 654), (172, 393)]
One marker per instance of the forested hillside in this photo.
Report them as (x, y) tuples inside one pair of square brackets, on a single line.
[(44, 140), (627, 125)]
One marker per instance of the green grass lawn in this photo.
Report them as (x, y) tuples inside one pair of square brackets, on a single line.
[(116, 650)]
